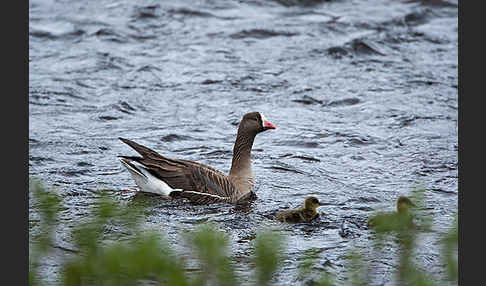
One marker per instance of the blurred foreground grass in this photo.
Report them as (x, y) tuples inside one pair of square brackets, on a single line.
[(146, 258)]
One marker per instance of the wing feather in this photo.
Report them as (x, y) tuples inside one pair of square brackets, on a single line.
[(193, 177), (200, 198)]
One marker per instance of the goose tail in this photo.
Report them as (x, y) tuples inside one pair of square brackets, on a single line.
[(144, 179)]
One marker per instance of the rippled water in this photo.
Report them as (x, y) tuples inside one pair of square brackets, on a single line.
[(364, 94)]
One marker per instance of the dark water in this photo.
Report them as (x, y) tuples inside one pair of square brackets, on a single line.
[(364, 94)]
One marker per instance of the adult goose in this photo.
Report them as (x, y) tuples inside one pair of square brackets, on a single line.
[(179, 178)]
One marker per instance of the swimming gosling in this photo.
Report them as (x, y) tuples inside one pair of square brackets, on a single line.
[(306, 213), (390, 220)]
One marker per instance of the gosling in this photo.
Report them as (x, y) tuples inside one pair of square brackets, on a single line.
[(399, 219), (306, 213)]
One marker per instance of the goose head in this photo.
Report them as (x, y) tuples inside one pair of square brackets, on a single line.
[(255, 122), (403, 203), (312, 203)]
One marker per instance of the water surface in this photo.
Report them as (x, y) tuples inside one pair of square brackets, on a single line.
[(364, 94)]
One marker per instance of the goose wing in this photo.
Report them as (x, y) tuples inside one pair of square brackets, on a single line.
[(201, 198), (198, 180), (289, 216)]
